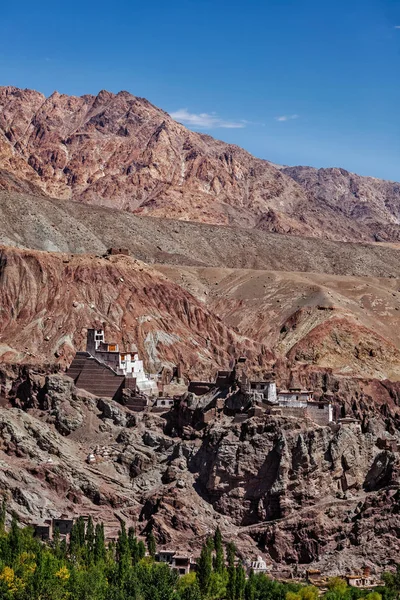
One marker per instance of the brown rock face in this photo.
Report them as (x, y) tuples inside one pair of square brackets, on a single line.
[(305, 495), (120, 151)]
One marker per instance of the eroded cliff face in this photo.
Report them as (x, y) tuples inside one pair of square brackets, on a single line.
[(269, 468), (47, 301), (306, 494), (299, 493)]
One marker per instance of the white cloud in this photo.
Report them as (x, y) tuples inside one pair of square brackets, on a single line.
[(205, 120), (397, 26), (286, 118)]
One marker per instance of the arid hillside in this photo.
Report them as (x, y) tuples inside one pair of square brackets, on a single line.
[(300, 494), (48, 300), (198, 317), (372, 204), (323, 303), (28, 221), (120, 151), (343, 323)]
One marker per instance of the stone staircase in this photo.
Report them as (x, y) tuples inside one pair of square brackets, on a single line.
[(95, 377)]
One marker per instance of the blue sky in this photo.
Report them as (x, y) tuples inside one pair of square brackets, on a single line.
[(312, 82)]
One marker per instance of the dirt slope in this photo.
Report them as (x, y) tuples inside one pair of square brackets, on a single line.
[(345, 323), (65, 226)]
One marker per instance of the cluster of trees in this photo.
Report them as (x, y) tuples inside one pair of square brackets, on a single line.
[(86, 568), (221, 575)]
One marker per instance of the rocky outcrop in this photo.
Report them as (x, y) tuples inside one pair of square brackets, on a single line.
[(300, 490), (301, 494)]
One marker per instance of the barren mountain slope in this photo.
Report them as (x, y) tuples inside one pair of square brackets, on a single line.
[(48, 300), (121, 151), (345, 323), (372, 204), (65, 226)]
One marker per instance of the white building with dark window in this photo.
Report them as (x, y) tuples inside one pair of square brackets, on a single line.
[(124, 363)]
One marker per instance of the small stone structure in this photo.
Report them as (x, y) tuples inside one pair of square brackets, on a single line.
[(63, 525), (115, 251), (163, 403), (363, 580), (43, 532), (183, 563), (300, 403)]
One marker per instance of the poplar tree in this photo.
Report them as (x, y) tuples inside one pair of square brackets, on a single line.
[(14, 538), (133, 545), (219, 560), (123, 553), (204, 569), (90, 537), (151, 545), (141, 550), (250, 589), (99, 550), (3, 512), (231, 587), (240, 582)]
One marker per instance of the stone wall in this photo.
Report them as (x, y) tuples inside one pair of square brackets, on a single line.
[(320, 416)]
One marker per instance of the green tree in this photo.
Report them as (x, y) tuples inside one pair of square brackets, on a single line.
[(77, 537), (14, 538), (3, 513), (90, 541), (392, 582), (204, 569), (133, 545), (337, 585), (188, 587), (219, 559), (231, 586), (240, 582), (151, 545), (99, 549), (217, 587), (307, 592), (250, 589), (123, 553), (141, 550)]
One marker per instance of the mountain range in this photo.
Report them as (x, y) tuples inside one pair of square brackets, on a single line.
[(223, 255), (120, 151)]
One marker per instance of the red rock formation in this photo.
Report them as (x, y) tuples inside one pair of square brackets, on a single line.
[(48, 300)]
